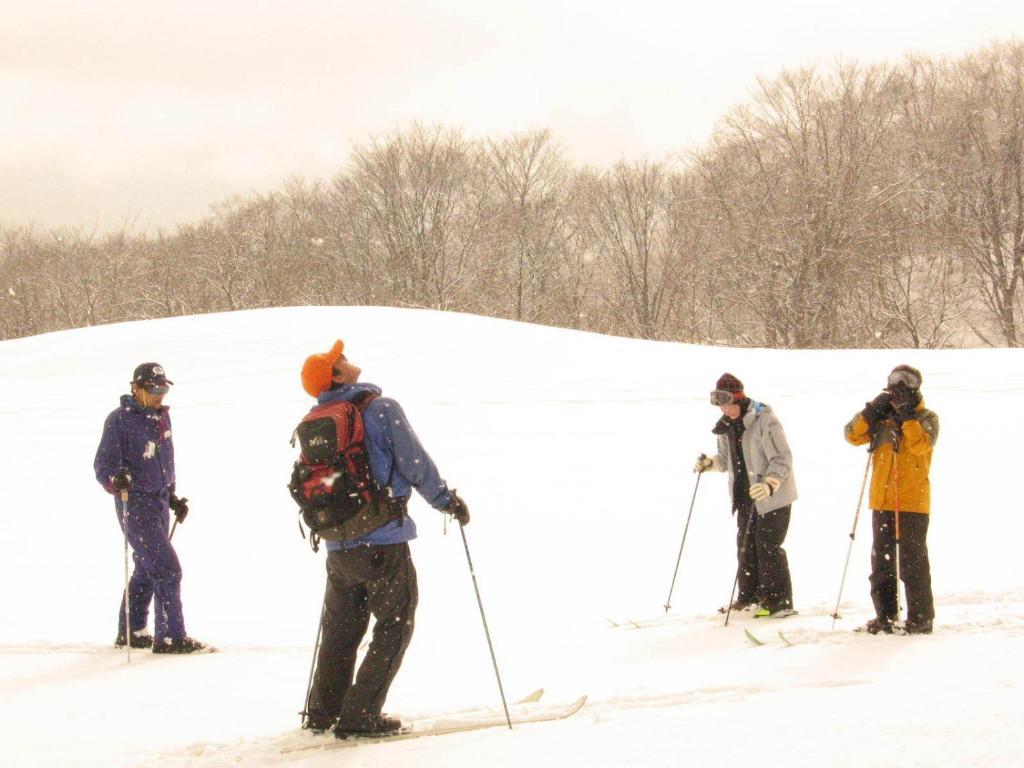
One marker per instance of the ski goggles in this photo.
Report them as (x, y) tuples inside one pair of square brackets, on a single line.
[(906, 378), (722, 397), (156, 389)]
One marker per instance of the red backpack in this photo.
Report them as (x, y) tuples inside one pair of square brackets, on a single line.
[(332, 482)]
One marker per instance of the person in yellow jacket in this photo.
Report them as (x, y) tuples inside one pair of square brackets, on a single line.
[(900, 433)]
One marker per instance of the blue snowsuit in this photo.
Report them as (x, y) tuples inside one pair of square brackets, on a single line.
[(138, 439)]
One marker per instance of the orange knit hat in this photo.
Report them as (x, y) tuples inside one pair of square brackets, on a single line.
[(318, 370)]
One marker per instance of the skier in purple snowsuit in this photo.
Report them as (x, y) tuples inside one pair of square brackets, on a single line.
[(135, 463)]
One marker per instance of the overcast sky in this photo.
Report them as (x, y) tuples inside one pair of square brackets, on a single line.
[(148, 113)]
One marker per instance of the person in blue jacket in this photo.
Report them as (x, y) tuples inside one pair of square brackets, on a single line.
[(373, 573), (135, 463)]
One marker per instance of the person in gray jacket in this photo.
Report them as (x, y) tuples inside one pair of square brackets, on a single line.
[(752, 448)]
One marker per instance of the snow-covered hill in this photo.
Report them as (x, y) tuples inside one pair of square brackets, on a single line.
[(574, 453)]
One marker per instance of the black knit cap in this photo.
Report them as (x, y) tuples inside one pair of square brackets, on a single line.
[(729, 383)]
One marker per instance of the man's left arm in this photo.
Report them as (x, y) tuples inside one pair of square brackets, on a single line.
[(921, 432), (412, 460), (776, 448)]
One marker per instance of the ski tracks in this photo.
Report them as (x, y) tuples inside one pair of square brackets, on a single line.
[(297, 744), (705, 695), (957, 614)]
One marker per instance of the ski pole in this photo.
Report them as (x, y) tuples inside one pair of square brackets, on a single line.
[(672, 586), (171, 536), (896, 525), (853, 536), (487, 632), (312, 664), (742, 557), (127, 597)]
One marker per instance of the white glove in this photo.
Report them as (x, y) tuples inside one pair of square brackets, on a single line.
[(705, 464), (765, 488)]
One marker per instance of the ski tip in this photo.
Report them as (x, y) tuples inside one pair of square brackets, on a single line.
[(752, 637), (784, 639), (532, 698), (576, 706)]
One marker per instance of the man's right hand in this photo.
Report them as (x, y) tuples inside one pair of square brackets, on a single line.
[(704, 464), (121, 480), (877, 409)]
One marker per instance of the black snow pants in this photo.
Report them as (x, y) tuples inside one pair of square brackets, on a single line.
[(378, 580), (763, 565), (915, 570)]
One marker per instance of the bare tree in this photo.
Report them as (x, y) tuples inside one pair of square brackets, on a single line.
[(635, 233), (917, 294), (983, 177), (795, 175), (24, 308), (418, 200), (529, 176)]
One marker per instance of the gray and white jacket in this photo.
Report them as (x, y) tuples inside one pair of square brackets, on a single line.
[(765, 452)]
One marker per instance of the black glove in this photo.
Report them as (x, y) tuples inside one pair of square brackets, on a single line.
[(458, 508), (121, 480), (179, 507), (877, 409), (904, 402)]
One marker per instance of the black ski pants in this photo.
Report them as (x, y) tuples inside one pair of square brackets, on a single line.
[(763, 565), (377, 580), (915, 570)]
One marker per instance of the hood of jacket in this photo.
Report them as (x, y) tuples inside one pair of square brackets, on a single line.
[(346, 393)]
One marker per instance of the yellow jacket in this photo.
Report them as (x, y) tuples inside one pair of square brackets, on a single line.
[(899, 479)]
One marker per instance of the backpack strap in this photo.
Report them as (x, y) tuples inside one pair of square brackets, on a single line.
[(362, 400)]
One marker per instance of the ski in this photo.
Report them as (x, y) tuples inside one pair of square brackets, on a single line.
[(753, 638), (443, 729), (79, 649), (782, 613), (532, 698), (748, 609), (804, 637), (758, 641)]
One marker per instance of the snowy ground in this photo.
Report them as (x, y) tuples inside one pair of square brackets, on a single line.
[(574, 453)]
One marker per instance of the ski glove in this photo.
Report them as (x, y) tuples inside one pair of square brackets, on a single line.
[(457, 507), (121, 480), (705, 464), (877, 409), (765, 488), (904, 402), (180, 508)]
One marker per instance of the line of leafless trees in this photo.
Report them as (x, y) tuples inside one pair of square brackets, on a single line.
[(848, 206)]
